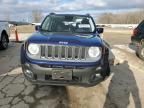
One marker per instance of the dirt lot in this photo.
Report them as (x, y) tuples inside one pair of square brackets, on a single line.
[(23, 29), (123, 89), (31, 28)]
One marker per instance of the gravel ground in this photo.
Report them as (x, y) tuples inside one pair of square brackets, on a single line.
[(123, 89)]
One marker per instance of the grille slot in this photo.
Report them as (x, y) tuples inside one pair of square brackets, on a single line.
[(49, 51), (76, 52), (70, 52), (63, 52), (43, 51), (83, 55), (56, 51)]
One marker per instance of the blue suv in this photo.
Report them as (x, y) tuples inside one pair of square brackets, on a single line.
[(66, 49)]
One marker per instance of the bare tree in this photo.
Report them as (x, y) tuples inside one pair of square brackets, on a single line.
[(105, 18), (37, 16), (122, 18)]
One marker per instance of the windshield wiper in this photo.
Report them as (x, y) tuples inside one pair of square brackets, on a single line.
[(84, 32), (45, 30)]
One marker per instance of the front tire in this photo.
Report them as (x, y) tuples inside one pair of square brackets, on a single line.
[(105, 71), (4, 42), (141, 52)]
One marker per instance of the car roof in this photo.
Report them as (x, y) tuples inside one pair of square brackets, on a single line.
[(86, 15)]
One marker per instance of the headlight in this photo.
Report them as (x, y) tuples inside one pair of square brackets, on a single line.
[(33, 49), (94, 52)]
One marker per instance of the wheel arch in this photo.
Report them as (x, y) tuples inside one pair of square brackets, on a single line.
[(142, 42), (5, 32)]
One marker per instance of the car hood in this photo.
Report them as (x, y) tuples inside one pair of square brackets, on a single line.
[(66, 39)]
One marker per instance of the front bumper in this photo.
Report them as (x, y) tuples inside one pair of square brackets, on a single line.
[(42, 72), (44, 76)]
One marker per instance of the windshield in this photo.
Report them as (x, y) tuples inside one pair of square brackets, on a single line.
[(78, 24)]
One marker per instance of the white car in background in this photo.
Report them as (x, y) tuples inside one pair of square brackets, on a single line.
[(4, 34)]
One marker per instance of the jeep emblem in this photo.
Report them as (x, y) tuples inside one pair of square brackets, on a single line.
[(64, 43)]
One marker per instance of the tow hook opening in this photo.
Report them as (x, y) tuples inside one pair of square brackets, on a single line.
[(28, 73), (95, 77)]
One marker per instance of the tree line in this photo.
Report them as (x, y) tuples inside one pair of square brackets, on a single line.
[(134, 17)]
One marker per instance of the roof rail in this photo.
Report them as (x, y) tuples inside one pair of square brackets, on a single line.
[(52, 13), (88, 14)]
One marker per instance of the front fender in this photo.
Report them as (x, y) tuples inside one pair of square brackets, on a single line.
[(22, 54)]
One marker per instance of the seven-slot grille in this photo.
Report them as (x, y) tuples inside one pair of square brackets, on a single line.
[(63, 52)]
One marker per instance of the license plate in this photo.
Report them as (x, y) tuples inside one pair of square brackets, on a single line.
[(65, 74)]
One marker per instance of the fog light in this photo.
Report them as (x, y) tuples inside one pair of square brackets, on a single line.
[(98, 75), (98, 68), (29, 73)]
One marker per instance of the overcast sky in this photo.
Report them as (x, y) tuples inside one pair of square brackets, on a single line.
[(22, 9)]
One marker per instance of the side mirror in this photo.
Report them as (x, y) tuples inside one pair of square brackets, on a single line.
[(37, 27), (100, 30)]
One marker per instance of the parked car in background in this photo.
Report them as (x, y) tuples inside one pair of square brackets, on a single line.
[(4, 34), (66, 49), (138, 39)]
